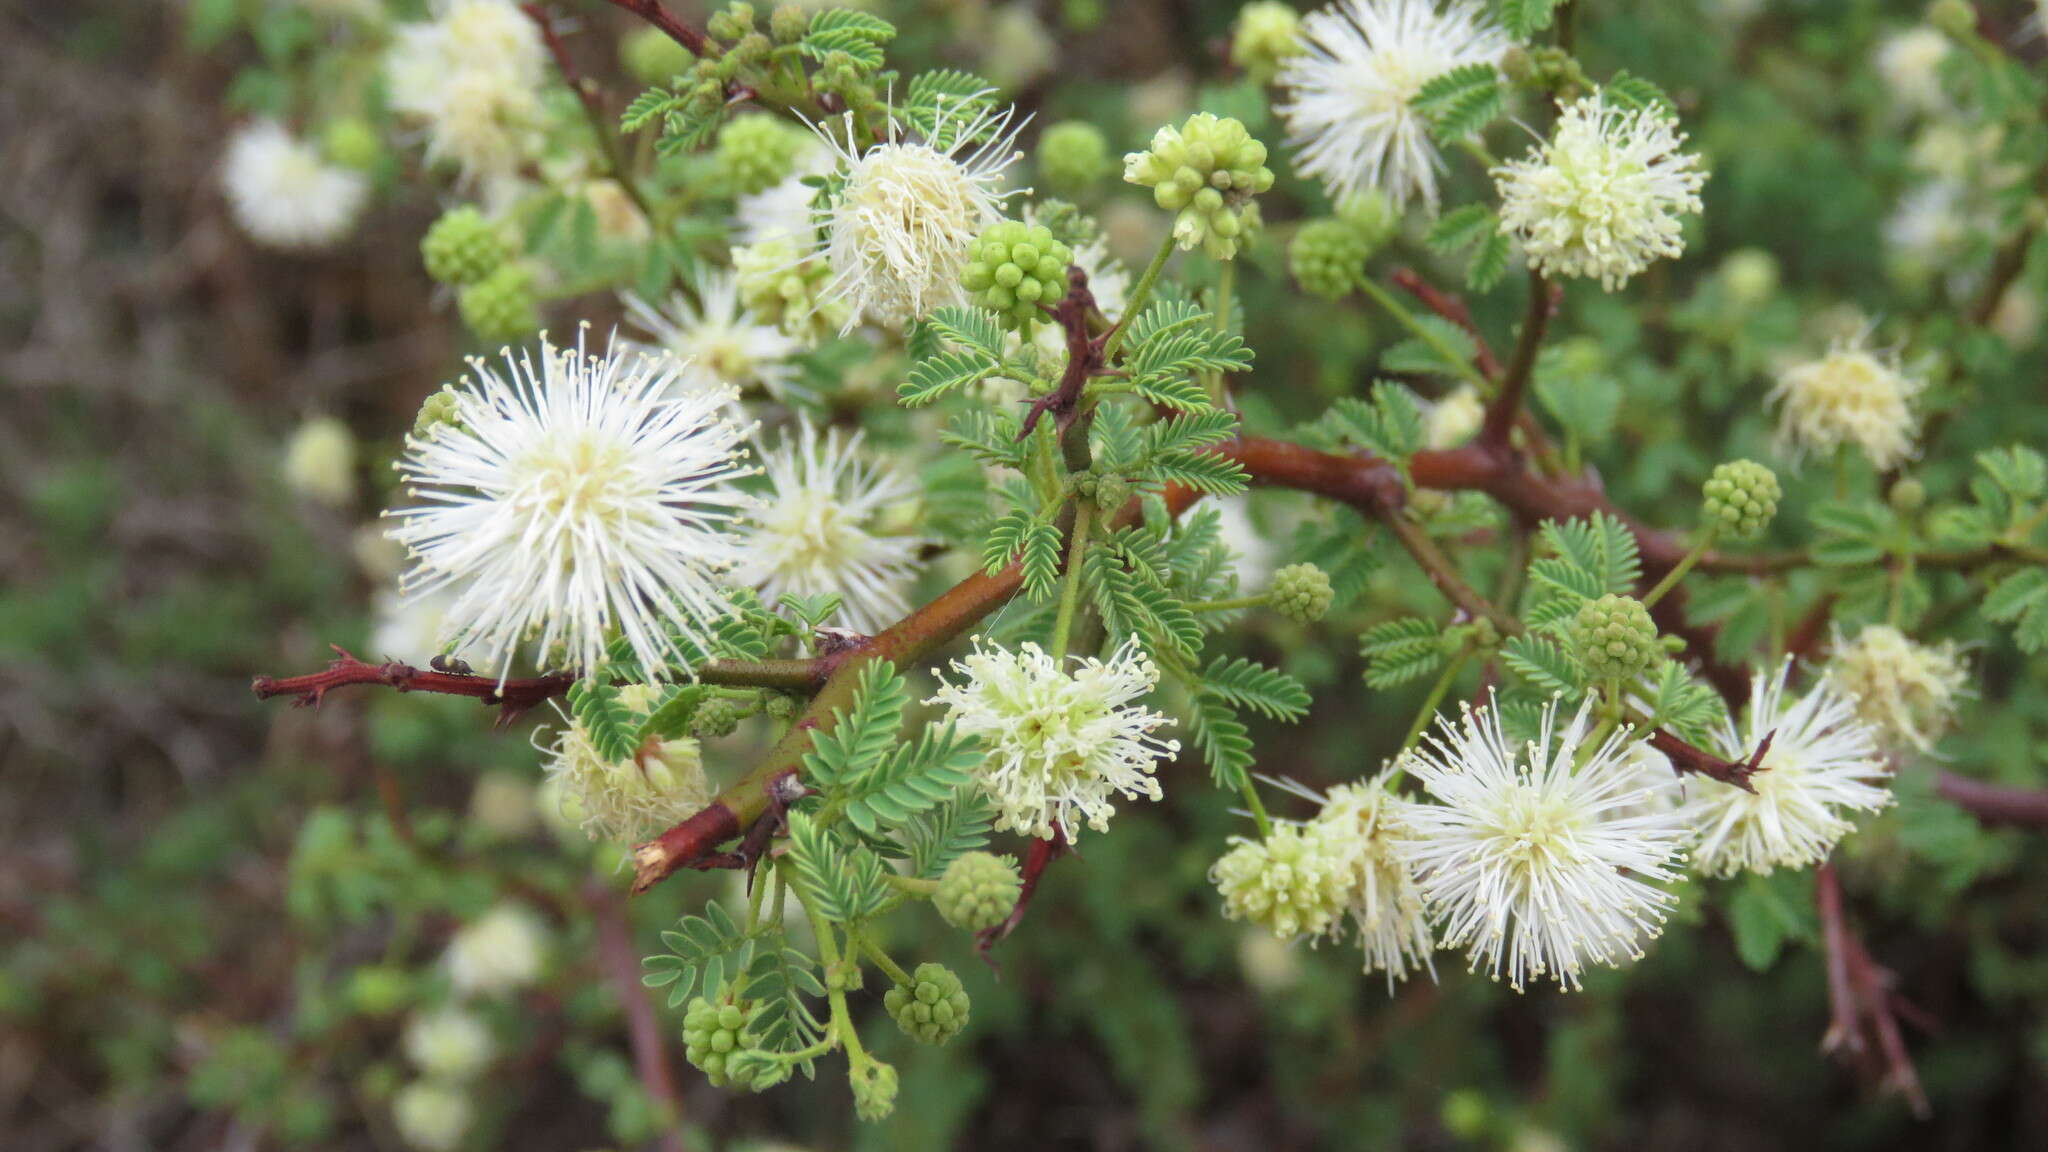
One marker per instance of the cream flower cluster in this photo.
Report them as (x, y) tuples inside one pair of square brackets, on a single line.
[(501, 951), (472, 75), (1349, 114), (284, 194), (717, 341), (1905, 691), (662, 782), (1851, 396), (1603, 196), (1060, 744)]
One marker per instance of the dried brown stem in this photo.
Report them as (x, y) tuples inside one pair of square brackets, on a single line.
[(1864, 1009)]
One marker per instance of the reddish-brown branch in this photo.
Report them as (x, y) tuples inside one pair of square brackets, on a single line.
[(652, 12), (1686, 758), (1042, 853), (1454, 309), (1994, 803), (643, 1027), (1506, 406), (1864, 1008)]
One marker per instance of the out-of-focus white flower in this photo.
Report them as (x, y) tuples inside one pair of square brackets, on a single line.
[(820, 529), (410, 628), (1907, 692), (1454, 418), (658, 784), (1539, 860), (320, 461), (1019, 49), (1254, 553), (782, 211), (1059, 745), (503, 805), (1849, 396), (1348, 111), (717, 342), (501, 951), (1928, 227), (575, 496), (1823, 764), (896, 235), (1910, 63), (432, 1116), (283, 194), (1603, 196), (450, 1043), (473, 76), (1269, 964)]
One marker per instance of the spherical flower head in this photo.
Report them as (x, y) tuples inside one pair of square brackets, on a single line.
[(1823, 765), (1072, 156), (501, 951), (1365, 820), (1751, 277), (1328, 258), (782, 287), (715, 1029), (1740, 498), (1850, 396), (320, 461), (896, 233), (1909, 62), (977, 891), (1301, 593), (463, 247), (503, 305), (1614, 638), (1349, 114), (432, 1116), (472, 76), (1294, 882), (821, 528), (1059, 744), (1907, 693), (873, 1084), (283, 194), (451, 1043), (659, 784), (1454, 418), (1014, 269), (754, 153), (1603, 196), (1267, 33), (351, 142), (1538, 859), (715, 340), (932, 1008), (573, 501), (1206, 172)]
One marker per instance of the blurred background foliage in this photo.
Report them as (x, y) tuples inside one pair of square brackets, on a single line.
[(218, 914)]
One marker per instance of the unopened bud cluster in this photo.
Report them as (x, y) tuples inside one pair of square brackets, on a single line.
[(977, 891), (1741, 497), (462, 247), (1614, 637), (1014, 268), (1207, 171), (1301, 593), (1072, 156), (758, 152), (932, 1008), (713, 1031)]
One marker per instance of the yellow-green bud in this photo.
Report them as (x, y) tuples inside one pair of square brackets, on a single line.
[(501, 306), (1750, 276), (1328, 258), (1907, 495), (462, 247), (735, 22), (1013, 269), (977, 891), (713, 1030), (932, 1008), (1072, 157), (1267, 32), (1958, 18), (758, 152), (788, 23), (350, 142), (653, 56), (1372, 214), (874, 1089), (1206, 173), (1740, 498), (718, 716), (1614, 637), (1301, 593), (435, 411)]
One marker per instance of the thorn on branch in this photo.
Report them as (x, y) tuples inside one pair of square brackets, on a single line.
[(510, 697), (1043, 852), (1084, 355), (1687, 758), (1864, 1006)]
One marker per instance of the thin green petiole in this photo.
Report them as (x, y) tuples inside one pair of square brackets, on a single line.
[(893, 970), (1230, 605), (1139, 295), (1427, 712), (1070, 589), (1422, 332), (1679, 569)]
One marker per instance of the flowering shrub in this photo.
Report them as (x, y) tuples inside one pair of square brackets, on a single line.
[(875, 521)]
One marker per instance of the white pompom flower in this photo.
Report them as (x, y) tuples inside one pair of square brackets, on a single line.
[(1910, 62), (501, 951), (472, 76), (822, 527), (451, 1043), (1603, 197), (715, 340), (1908, 692), (895, 234), (1539, 860), (572, 498), (284, 194), (1349, 114), (1823, 765), (1386, 904), (1060, 744), (1851, 396)]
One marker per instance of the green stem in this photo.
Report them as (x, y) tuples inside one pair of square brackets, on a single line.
[(914, 885), (1226, 283), (1427, 712), (1422, 332), (1231, 605), (1251, 801), (841, 1027), (1679, 569), (1138, 297), (1070, 589), (893, 970)]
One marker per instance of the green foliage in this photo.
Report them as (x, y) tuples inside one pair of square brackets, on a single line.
[(1267, 691), (860, 35), (973, 352), (1460, 102), (841, 880), (1389, 425), (1523, 18), (1474, 228), (1170, 343), (1400, 650), (612, 726)]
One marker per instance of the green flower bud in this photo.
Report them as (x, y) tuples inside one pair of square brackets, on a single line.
[(1111, 493), (1750, 276), (436, 410), (1958, 18), (713, 1030), (1614, 637), (1301, 592), (1013, 267), (735, 22), (379, 989), (1267, 32), (874, 1089), (932, 1008), (758, 152), (1907, 495), (653, 57), (351, 142), (1207, 172), (501, 306), (977, 891), (779, 706), (715, 717), (1740, 498), (1328, 258), (1375, 216), (1072, 157), (462, 247), (788, 23)]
